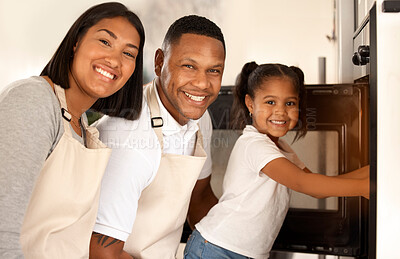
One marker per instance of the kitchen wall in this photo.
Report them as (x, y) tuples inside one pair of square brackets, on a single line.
[(287, 31)]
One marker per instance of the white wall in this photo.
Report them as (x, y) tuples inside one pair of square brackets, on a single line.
[(287, 31), (292, 32)]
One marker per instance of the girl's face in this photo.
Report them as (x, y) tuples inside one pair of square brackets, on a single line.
[(105, 57), (275, 107)]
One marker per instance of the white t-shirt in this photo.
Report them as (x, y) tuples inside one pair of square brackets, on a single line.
[(252, 208), (134, 162)]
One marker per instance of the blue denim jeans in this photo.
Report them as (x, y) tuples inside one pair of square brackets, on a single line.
[(199, 248)]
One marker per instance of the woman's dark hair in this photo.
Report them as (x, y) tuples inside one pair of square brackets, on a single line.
[(126, 102), (251, 79), (193, 24)]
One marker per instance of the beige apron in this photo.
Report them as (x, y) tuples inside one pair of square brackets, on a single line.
[(163, 205), (62, 210)]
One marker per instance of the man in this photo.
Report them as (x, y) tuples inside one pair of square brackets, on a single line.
[(159, 158)]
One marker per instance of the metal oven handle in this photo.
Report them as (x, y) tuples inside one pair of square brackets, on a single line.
[(361, 57)]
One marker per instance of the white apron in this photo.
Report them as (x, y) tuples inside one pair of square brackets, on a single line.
[(63, 206), (163, 205)]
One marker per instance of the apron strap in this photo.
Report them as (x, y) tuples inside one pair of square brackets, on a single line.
[(60, 93), (156, 119)]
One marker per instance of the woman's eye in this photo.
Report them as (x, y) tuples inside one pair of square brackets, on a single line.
[(188, 66), (129, 55), (105, 42)]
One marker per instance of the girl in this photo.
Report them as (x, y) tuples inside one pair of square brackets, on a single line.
[(262, 168), (50, 158)]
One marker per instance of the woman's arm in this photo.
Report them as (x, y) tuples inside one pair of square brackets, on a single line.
[(28, 130), (319, 186)]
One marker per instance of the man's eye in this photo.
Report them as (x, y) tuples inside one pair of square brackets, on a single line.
[(214, 71), (188, 66), (105, 42)]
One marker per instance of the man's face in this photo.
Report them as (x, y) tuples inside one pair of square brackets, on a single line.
[(190, 74)]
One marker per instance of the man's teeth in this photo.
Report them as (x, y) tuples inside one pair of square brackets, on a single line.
[(279, 122), (195, 98), (105, 73)]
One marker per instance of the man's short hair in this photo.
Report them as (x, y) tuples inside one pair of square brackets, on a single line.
[(193, 24)]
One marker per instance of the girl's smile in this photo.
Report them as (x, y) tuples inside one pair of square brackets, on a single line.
[(274, 108)]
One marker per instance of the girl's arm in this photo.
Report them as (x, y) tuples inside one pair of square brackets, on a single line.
[(285, 172), (360, 173)]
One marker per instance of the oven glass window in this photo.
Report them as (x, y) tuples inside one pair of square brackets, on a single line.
[(319, 151)]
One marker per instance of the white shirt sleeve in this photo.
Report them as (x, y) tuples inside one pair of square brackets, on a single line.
[(121, 188), (205, 126), (132, 166), (260, 151)]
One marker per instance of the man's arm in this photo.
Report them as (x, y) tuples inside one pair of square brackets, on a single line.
[(128, 172), (201, 201), (105, 247)]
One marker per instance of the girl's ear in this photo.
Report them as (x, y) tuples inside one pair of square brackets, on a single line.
[(249, 103)]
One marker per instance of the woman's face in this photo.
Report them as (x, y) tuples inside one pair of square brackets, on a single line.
[(275, 107), (105, 58)]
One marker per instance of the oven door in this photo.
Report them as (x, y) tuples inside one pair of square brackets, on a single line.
[(336, 142)]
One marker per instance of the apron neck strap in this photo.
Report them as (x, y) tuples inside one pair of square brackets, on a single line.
[(60, 93), (156, 119)]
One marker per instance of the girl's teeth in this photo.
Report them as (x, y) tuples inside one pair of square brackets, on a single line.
[(279, 122), (105, 73), (195, 98)]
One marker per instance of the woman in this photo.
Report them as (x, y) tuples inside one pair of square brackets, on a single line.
[(50, 158)]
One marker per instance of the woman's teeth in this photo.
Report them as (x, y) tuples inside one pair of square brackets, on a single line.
[(105, 73), (195, 98), (279, 122)]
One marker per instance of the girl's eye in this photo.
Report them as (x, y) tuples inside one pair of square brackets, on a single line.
[(105, 42), (290, 103), (270, 102)]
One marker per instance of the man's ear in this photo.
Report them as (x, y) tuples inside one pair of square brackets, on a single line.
[(158, 61), (249, 103)]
